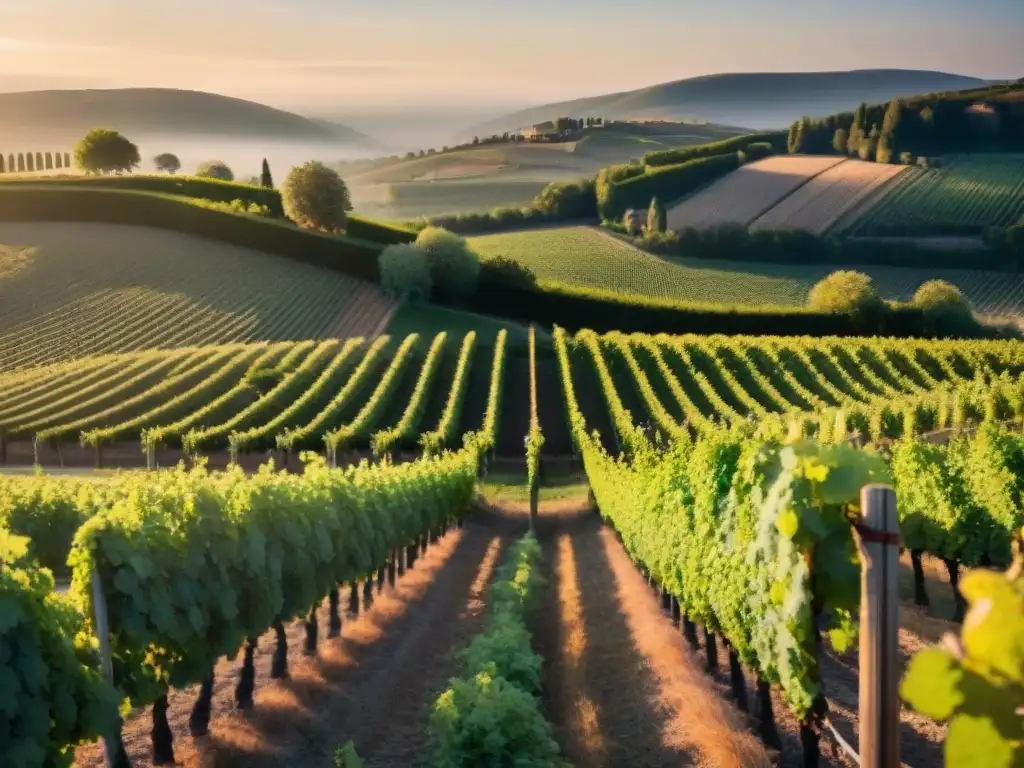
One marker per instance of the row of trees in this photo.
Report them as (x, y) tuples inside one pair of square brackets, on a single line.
[(922, 126), (29, 162)]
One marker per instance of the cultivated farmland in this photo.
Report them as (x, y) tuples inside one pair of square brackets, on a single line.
[(745, 194), (583, 257), (68, 290), (966, 196), (820, 203)]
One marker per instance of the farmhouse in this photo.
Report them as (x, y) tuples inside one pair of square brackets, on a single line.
[(545, 130)]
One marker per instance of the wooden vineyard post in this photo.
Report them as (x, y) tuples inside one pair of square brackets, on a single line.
[(99, 604), (534, 501), (3, 446), (878, 540)]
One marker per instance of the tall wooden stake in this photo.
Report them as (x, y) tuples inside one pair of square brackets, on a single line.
[(880, 674)]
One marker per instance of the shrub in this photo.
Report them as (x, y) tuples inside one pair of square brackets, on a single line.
[(454, 268), (215, 169), (669, 183), (405, 273), (845, 293), (503, 271), (168, 163), (945, 309), (103, 150), (775, 139), (315, 197)]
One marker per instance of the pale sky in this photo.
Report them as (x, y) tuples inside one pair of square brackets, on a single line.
[(382, 53)]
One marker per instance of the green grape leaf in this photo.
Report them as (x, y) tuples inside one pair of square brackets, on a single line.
[(994, 626), (974, 742), (932, 684)]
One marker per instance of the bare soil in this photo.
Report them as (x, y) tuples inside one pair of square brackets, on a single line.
[(375, 685)]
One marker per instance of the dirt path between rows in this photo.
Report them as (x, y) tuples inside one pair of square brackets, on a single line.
[(375, 685), (622, 688)]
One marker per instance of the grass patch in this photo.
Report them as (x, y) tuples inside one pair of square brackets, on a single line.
[(585, 258)]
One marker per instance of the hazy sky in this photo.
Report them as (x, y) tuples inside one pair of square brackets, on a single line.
[(380, 53)]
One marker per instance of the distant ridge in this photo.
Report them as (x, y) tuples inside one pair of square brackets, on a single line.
[(764, 100), (67, 114)]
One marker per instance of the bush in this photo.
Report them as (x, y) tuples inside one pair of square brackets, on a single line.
[(103, 150), (405, 273), (315, 197), (945, 308), (454, 268), (503, 271), (846, 293), (215, 169)]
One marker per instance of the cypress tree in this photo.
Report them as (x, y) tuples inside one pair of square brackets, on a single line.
[(49, 161), (656, 219), (21, 162), (2, 169), (266, 180), (30, 162), (11, 165), (57, 160), (39, 161), (67, 159)]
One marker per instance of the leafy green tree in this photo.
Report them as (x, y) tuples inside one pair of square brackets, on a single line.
[(167, 163), (797, 136), (405, 272), (315, 197), (103, 150), (944, 307), (846, 293), (656, 218), (454, 267), (266, 180), (215, 169)]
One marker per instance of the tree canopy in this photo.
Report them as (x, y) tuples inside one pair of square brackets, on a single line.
[(315, 197), (215, 169), (167, 163), (104, 150)]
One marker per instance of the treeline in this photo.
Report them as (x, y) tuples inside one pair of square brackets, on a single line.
[(733, 242), (30, 162), (904, 130)]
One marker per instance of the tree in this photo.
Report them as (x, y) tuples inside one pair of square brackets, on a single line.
[(215, 169), (39, 161), (167, 163), (266, 180), (103, 150), (21, 162), (12, 165), (797, 136), (315, 197), (30, 162), (405, 272), (944, 307), (67, 159), (846, 293), (2, 168), (58, 160), (656, 217), (476, 140), (454, 268), (49, 161), (841, 141)]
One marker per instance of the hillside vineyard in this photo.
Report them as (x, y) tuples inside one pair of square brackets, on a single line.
[(395, 395)]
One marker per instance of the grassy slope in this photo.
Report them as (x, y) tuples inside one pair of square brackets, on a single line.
[(584, 257), (76, 289), (164, 111)]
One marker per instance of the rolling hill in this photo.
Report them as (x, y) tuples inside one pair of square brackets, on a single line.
[(64, 115), (756, 100)]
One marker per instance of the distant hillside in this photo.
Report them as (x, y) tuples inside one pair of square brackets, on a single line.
[(63, 115), (757, 100)]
